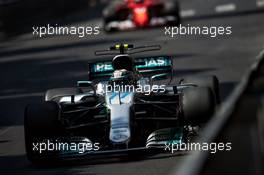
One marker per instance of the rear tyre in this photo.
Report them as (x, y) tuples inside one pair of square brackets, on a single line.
[(198, 105), (207, 81), (41, 121), (110, 14), (172, 8), (109, 29)]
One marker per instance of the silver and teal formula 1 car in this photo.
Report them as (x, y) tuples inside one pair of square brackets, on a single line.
[(122, 107)]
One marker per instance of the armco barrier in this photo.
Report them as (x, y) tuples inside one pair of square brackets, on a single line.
[(240, 120)]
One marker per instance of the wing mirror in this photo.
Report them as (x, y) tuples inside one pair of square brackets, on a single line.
[(84, 83)]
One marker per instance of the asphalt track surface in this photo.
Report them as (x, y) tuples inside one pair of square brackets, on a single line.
[(29, 66)]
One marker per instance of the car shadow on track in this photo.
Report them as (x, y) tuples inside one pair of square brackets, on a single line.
[(111, 159), (21, 52), (23, 165)]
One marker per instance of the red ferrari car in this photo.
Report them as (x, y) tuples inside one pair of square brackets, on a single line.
[(130, 14)]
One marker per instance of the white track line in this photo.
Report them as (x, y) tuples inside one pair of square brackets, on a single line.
[(163, 38), (187, 13), (225, 8), (260, 3), (5, 130)]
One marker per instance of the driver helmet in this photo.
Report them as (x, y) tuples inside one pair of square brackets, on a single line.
[(122, 74)]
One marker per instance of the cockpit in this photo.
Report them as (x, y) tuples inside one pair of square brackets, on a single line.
[(124, 71), (123, 62)]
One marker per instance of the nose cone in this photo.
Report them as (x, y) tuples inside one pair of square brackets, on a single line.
[(119, 106), (120, 135)]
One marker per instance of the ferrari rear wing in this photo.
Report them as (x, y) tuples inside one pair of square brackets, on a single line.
[(145, 66)]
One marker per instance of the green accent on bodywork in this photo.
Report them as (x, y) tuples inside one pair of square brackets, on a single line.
[(102, 67), (177, 136), (103, 111), (152, 62)]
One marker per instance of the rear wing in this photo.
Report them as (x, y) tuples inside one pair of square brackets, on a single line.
[(145, 66)]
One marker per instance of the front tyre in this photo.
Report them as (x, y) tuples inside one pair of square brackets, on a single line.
[(198, 105), (41, 121)]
